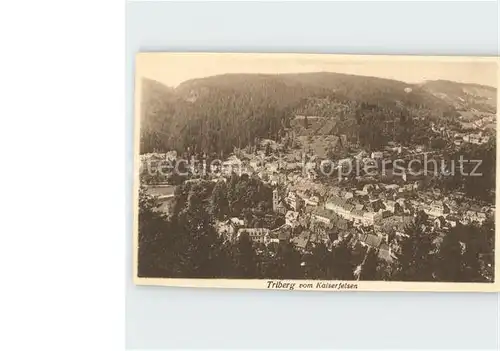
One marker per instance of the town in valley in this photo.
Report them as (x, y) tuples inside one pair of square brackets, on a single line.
[(321, 176)]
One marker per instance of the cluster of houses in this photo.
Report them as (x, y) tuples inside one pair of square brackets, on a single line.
[(165, 195), (375, 215), (479, 123), (472, 138), (476, 138), (369, 214), (311, 210), (458, 137)]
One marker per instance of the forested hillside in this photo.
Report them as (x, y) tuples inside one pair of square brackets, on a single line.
[(464, 96), (216, 114)]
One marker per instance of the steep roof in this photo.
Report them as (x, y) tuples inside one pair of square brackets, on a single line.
[(284, 232), (323, 212), (372, 240), (340, 202), (357, 212), (384, 252), (341, 223), (302, 240), (359, 206)]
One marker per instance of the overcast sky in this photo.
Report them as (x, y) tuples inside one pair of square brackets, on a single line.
[(174, 68)]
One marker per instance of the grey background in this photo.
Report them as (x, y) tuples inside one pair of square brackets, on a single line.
[(158, 317)]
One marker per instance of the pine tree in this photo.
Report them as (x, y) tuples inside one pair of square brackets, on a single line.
[(199, 246), (285, 264), (245, 258), (414, 262), (487, 259), (155, 239), (268, 150), (318, 263), (342, 261), (369, 266), (450, 262), (218, 202), (479, 252)]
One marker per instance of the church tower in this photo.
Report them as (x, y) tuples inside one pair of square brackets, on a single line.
[(275, 200)]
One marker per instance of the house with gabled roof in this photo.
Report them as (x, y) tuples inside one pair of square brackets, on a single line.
[(323, 215), (390, 204), (255, 234), (385, 252), (357, 215), (368, 187), (375, 206), (452, 220), (370, 240), (341, 206), (475, 214), (302, 240), (436, 209), (319, 237), (294, 201), (391, 187), (284, 236), (440, 222), (291, 218)]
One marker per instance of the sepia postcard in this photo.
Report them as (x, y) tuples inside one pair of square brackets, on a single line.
[(315, 172)]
